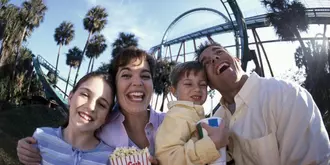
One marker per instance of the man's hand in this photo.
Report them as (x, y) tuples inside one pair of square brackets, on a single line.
[(219, 135)]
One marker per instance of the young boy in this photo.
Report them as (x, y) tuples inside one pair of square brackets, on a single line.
[(176, 139)]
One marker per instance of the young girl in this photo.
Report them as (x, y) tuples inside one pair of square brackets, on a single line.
[(75, 143)]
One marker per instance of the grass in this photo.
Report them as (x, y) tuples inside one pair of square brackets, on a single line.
[(21, 122)]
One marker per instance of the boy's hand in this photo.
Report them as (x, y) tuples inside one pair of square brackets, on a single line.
[(219, 135)]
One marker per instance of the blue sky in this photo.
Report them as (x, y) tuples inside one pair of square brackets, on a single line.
[(148, 19)]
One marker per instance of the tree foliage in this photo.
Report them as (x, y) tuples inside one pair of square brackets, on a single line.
[(161, 79), (317, 69), (123, 41)]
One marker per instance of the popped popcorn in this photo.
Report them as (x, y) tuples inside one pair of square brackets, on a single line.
[(129, 156)]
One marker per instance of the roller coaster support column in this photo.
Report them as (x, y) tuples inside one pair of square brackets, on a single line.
[(262, 71), (264, 51), (242, 31)]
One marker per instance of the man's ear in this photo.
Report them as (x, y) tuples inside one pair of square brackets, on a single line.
[(173, 90)]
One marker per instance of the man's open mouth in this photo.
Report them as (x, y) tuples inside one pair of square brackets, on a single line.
[(222, 67)]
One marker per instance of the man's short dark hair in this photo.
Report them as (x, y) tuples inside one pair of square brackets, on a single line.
[(204, 46), (184, 69)]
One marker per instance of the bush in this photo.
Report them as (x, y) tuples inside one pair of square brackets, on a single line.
[(21, 122)]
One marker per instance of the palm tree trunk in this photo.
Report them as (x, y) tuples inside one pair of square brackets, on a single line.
[(75, 79), (325, 37), (168, 100), (30, 79), (327, 48), (16, 58), (3, 56), (162, 106), (152, 100), (23, 35), (58, 56), (171, 96), (304, 50), (12, 77), (92, 65), (297, 34), (89, 64), (156, 102), (1, 49), (67, 80), (9, 88), (18, 50)]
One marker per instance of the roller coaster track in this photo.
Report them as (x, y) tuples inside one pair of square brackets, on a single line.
[(315, 16), (50, 89)]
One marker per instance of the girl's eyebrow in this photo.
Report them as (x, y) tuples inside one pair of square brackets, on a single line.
[(105, 100), (86, 89), (102, 98)]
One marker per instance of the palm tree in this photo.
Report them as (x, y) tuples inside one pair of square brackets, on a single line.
[(9, 16), (3, 7), (73, 59), (124, 40), (3, 4), (318, 75), (94, 21), (64, 34), (104, 67), (161, 80), (30, 16), (288, 18), (96, 46), (24, 70)]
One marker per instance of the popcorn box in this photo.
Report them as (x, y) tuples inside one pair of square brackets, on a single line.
[(130, 156), (213, 122)]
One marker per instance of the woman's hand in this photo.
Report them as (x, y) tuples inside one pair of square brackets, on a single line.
[(27, 154), (219, 135), (153, 160)]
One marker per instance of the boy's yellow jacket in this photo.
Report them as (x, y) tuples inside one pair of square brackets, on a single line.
[(177, 140)]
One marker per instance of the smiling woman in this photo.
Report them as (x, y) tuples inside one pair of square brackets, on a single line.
[(133, 122)]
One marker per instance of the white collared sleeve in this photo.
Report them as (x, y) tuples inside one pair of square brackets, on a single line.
[(301, 133)]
